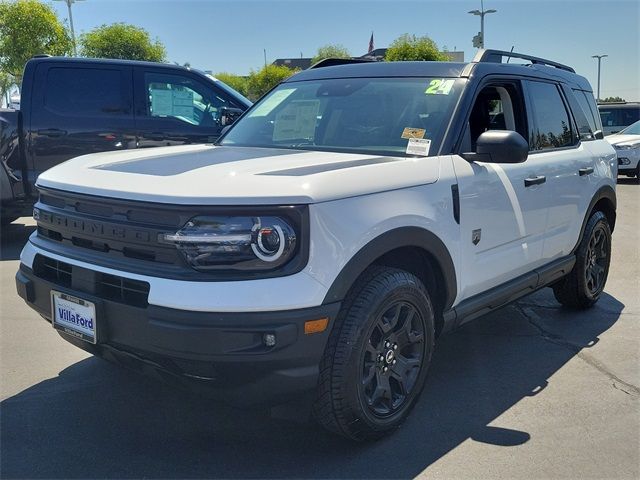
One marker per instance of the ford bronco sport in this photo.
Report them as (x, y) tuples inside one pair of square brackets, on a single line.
[(346, 221)]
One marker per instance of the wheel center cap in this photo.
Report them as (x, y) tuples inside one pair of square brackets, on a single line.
[(389, 356)]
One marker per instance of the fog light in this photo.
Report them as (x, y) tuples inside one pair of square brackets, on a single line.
[(624, 161), (269, 339), (36, 213)]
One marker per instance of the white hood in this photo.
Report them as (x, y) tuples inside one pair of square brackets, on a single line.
[(206, 174), (623, 139)]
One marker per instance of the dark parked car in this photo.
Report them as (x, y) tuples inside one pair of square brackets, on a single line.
[(74, 106)]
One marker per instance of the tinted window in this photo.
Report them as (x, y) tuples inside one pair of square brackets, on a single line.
[(551, 126), (619, 116), (585, 114), (184, 99), (85, 91)]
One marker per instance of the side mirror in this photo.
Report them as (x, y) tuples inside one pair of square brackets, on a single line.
[(228, 115), (598, 135), (499, 146)]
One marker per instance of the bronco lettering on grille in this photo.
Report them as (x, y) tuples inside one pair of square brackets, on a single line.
[(93, 228)]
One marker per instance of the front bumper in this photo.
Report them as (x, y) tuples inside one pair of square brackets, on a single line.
[(222, 352)]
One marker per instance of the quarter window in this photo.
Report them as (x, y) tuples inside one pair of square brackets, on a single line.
[(85, 91), (551, 125)]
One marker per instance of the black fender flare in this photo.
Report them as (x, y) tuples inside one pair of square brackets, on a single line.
[(385, 243), (605, 192)]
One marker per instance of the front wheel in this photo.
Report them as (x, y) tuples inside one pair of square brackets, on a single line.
[(376, 361), (582, 287)]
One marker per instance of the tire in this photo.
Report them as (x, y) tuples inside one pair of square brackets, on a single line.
[(383, 340), (582, 287)]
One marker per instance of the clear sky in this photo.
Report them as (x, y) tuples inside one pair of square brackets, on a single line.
[(230, 35)]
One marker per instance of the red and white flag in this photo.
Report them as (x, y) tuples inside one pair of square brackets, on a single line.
[(371, 44)]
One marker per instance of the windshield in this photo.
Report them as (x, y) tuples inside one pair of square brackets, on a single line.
[(633, 129), (384, 116)]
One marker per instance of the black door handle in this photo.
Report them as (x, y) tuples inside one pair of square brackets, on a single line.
[(534, 180), (585, 171), (52, 132)]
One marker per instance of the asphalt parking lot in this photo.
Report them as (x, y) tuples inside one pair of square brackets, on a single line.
[(531, 391)]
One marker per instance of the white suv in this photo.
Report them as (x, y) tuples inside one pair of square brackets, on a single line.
[(347, 220)]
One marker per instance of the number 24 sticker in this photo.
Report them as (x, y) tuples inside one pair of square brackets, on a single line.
[(439, 87)]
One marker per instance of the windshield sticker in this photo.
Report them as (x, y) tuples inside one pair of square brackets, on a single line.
[(297, 121), (418, 146), (271, 102), (409, 132), (439, 86)]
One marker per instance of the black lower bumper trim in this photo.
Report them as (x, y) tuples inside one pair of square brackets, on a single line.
[(225, 352)]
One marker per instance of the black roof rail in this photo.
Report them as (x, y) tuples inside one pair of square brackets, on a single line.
[(41, 55), (331, 62), (496, 56)]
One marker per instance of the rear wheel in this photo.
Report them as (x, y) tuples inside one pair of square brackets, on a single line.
[(376, 361), (583, 286)]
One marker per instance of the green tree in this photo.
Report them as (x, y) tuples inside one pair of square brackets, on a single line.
[(265, 79), (330, 51), (6, 82), (410, 47), (121, 40), (612, 100), (28, 28), (237, 82)]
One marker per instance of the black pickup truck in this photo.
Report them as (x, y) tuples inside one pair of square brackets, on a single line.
[(73, 106)]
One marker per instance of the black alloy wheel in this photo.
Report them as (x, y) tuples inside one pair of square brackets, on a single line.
[(393, 356), (377, 356)]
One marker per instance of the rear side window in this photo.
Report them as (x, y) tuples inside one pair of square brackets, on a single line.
[(551, 127), (85, 91), (587, 111)]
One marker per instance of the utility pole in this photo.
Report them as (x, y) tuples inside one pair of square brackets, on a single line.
[(73, 33), (599, 57), (478, 40)]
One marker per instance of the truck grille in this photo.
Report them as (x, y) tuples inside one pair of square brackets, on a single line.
[(109, 287)]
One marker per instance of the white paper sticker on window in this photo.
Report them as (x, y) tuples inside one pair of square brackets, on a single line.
[(297, 121), (161, 102), (418, 146)]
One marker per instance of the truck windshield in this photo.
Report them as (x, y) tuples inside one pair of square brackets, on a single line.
[(360, 115)]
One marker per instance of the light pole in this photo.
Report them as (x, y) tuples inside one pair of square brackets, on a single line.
[(599, 57), (481, 13), (73, 33)]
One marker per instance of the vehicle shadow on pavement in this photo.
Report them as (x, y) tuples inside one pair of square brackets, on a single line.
[(97, 420), (12, 239)]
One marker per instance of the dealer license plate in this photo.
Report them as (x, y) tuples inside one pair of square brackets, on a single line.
[(74, 316)]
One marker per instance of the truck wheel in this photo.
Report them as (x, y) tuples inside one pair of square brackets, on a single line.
[(377, 357), (582, 287)]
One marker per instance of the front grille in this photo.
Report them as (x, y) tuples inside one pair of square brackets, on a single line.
[(52, 270), (123, 290), (102, 285)]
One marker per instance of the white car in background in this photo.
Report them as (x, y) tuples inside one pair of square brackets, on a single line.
[(627, 145)]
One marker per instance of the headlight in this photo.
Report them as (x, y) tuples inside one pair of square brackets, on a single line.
[(237, 243)]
